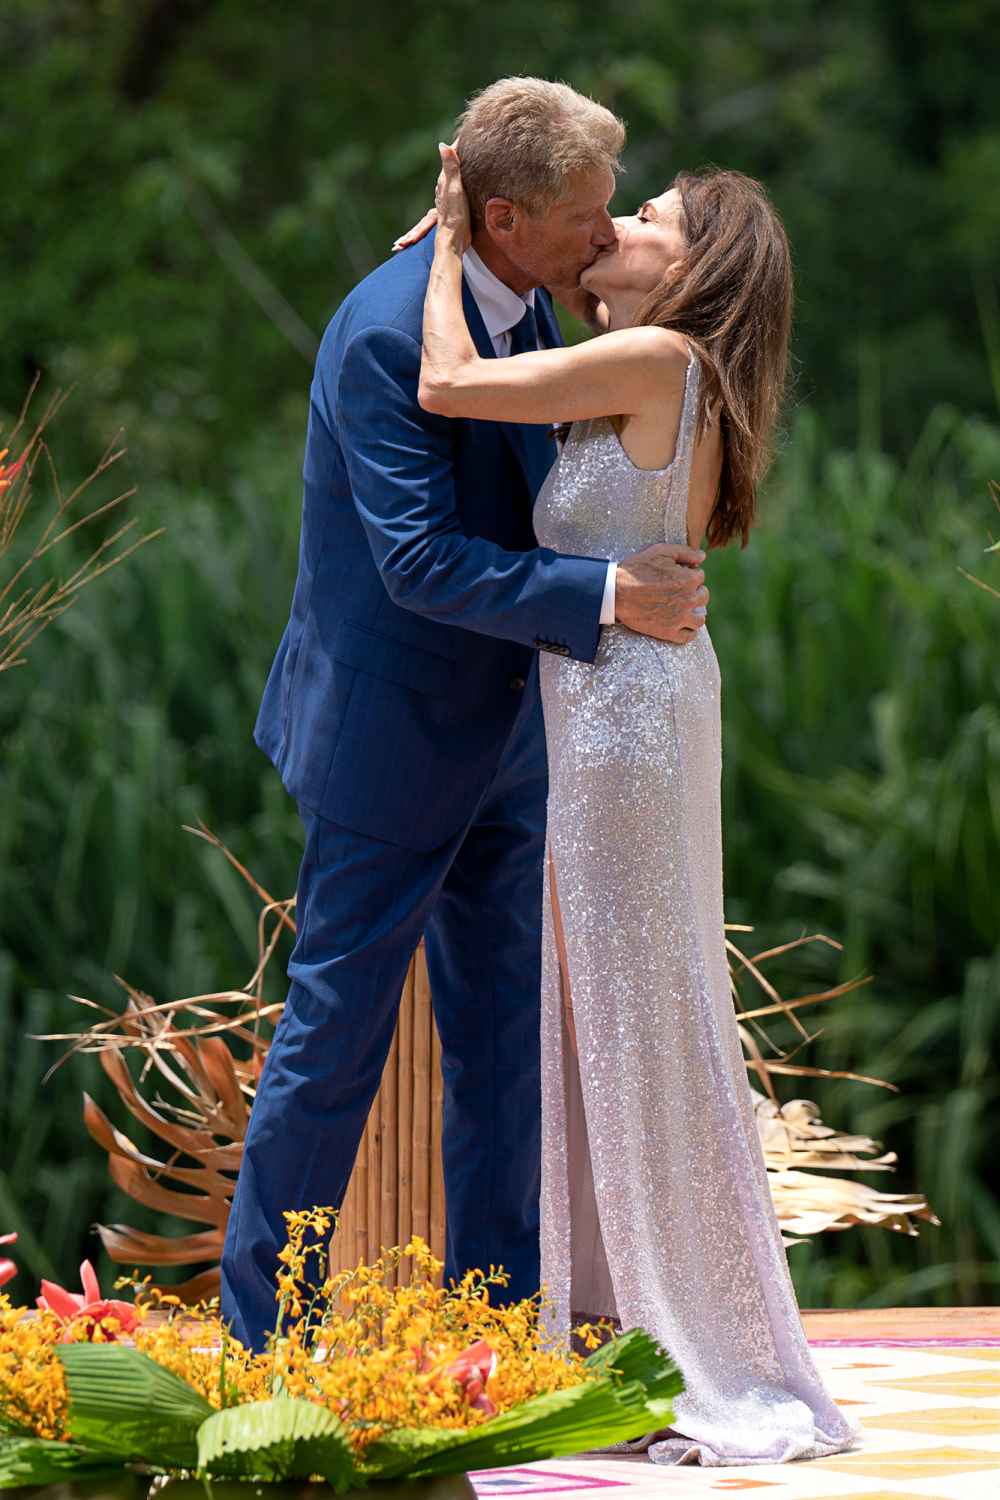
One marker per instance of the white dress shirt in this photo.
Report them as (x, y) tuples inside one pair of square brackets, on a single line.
[(501, 310)]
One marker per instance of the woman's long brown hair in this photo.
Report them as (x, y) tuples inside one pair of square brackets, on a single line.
[(733, 299)]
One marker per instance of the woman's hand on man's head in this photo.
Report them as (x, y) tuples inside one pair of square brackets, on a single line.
[(454, 222), (424, 225)]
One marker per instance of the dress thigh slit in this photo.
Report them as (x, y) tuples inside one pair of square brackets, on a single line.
[(592, 1293)]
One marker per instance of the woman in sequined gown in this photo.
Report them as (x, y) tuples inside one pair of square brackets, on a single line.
[(655, 1205)]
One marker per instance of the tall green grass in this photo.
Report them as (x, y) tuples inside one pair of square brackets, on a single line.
[(133, 716), (862, 798)]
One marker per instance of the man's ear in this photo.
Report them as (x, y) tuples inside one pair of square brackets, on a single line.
[(500, 216)]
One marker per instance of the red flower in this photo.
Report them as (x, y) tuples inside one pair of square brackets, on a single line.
[(86, 1313), (472, 1369), (8, 473), (7, 1267)]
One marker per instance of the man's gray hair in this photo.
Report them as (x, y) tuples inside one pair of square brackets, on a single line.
[(522, 138)]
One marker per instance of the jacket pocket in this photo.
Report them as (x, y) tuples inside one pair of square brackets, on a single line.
[(392, 660)]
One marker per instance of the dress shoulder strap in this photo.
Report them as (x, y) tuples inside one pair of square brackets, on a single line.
[(689, 414)]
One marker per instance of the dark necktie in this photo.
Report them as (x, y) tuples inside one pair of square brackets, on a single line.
[(524, 335), (536, 440)]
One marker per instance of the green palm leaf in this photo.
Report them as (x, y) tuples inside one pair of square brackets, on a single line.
[(635, 1355), (29, 1460), (634, 1397), (123, 1402), (278, 1439)]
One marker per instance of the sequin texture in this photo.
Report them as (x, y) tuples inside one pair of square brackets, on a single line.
[(655, 1201)]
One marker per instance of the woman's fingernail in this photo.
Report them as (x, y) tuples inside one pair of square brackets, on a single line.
[(699, 609)]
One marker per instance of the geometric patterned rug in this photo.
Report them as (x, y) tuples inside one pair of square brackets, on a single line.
[(924, 1383)]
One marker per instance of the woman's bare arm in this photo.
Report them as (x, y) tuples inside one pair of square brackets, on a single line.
[(622, 374)]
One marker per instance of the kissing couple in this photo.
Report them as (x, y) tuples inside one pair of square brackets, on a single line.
[(496, 704)]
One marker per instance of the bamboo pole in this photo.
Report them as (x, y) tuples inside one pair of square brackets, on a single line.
[(404, 1166), (397, 1187), (422, 1022), (360, 1189), (438, 1233), (388, 1096), (342, 1245), (373, 1141)]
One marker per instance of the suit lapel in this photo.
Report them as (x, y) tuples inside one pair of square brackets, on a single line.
[(535, 447), (548, 327)]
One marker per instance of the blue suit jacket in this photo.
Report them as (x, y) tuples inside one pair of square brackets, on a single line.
[(422, 595)]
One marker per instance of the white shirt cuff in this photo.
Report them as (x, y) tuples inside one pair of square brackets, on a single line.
[(608, 602)]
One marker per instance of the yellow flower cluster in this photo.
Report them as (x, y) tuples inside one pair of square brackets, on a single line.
[(381, 1356), (32, 1383), (33, 1396), (189, 1343)]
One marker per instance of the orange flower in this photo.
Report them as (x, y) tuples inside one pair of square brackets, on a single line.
[(88, 1315)]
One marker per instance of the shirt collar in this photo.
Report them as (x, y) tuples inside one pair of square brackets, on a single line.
[(501, 308)]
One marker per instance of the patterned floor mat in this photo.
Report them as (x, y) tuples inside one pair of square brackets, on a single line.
[(930, 1411)]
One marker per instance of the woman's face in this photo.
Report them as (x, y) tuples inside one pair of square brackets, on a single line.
[(647, 245)]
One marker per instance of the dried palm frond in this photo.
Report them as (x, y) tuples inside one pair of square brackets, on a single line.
[(205, 1129), (806, 1204), (749, 1035), (794, 1137), (189, 1044)]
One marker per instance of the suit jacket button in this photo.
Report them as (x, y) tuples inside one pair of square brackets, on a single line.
[(516, 684)]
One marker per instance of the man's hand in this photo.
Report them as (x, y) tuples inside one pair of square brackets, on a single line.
[(661, 592)]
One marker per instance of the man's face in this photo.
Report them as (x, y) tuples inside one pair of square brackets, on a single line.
[(558, 246)]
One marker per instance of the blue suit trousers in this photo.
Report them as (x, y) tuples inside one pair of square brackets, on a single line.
[(362, 907)]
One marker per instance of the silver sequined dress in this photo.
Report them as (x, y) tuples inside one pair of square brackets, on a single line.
[(666, 1221)]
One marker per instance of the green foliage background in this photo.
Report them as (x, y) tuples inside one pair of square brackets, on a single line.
[(189, 189)]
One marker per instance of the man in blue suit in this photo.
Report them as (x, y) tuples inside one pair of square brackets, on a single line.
[(402, 711)]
